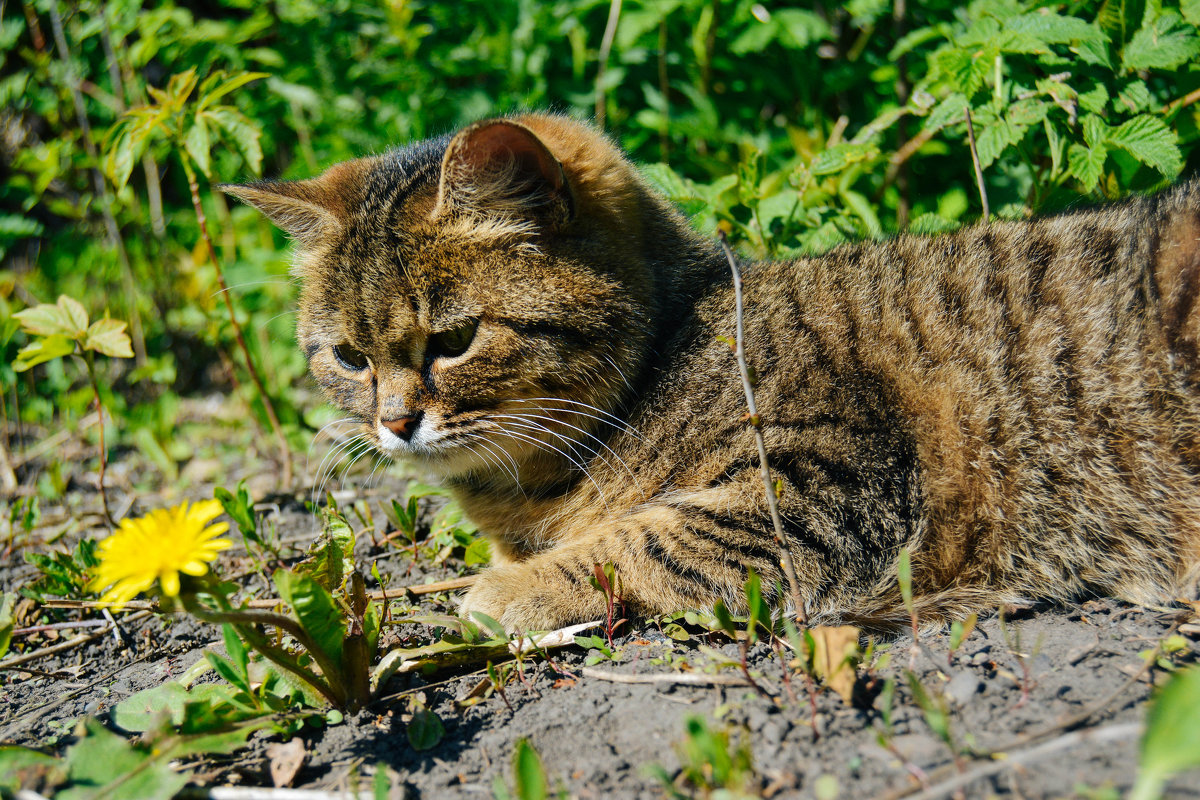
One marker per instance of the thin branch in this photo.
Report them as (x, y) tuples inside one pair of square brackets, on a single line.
[(610, 31), (672, 678), (1183, 102), (789, 568), (285, 453), (1124, 731), (34, 655), (987, 212)]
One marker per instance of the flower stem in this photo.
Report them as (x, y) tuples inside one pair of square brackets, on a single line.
[(90, 360), (284, 453)]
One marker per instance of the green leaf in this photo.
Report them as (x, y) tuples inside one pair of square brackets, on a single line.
[(1051, 28), (1120, 18), (209, 95), (425, 730), (1087, 163), (107, 336), (243, 133), (528, 773), (492, 625), (103, 763), (199, 145), (240, 510), (146, 709), (1191, 11), (1171, 742), (841, 156), (950, 111), (479, 551), (1135, 96), (904, 577), (330, 557), (14, 759), (1149, 140), (64, 318), (42, 350), (315, 610), (7, 625), (1166, 43)]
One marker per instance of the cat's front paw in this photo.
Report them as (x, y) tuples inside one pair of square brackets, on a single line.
[(514, 597)]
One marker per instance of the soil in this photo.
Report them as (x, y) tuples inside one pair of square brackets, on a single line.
[(1060, 691)]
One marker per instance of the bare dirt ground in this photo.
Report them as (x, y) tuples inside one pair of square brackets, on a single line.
[(1056, 696)]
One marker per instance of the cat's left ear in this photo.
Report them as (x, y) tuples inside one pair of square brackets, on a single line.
[(501, 168)]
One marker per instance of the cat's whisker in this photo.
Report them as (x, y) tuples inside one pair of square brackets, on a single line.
[(552, 449), (513, 471), (332, 458), (354, 459), (492, 460), (381, 462), (244, 284), (605, 417), (617, 369), (568, 441), (586, 433)]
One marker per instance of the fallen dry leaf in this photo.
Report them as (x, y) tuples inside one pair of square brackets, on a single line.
[(835, 646), (286, 759)]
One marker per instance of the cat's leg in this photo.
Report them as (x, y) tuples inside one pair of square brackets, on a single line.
[(688, 553)]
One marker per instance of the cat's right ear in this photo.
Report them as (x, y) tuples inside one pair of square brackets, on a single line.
[(301, 209), (501, 168)]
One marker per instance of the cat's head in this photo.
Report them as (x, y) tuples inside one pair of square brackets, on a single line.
[(480, 301)]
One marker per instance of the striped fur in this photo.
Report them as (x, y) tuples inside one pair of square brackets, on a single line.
[(1017, 403)]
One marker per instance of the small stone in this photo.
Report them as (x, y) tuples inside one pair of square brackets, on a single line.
[(962, 687)]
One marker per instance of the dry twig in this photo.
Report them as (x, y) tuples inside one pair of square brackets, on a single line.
[(789, 568), (983, 198), (673, 678)]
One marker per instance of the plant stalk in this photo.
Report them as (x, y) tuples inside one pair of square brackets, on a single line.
[(90, 360), (789, 567), (284, 453)]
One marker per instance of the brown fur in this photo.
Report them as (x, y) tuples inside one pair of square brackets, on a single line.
[(1017, 403)]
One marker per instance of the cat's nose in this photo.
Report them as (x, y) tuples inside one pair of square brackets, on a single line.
[(404, 427)]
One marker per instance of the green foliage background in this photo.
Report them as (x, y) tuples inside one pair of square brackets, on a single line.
[(794, 126)]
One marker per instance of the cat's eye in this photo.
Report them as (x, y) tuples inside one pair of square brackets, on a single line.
[(451, 343), (349, 357)]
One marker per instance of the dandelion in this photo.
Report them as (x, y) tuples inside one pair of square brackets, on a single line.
[(159, 546)]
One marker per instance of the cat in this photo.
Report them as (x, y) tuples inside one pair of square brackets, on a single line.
[(514, 308)]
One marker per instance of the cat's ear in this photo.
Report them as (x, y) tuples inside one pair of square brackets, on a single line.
[(501, 168), (303, 209)]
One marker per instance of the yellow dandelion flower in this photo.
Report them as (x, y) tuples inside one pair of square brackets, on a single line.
[(158, 546)]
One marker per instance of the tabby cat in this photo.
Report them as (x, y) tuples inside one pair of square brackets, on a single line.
[(515, 309)]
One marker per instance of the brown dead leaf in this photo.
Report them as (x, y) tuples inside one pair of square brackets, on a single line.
[(835, 647), (286, 758)]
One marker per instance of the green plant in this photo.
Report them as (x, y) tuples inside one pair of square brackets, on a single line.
[(190, 125), (712, 765), (1171, 742), (62, 574), (529, 776), (62, 329)]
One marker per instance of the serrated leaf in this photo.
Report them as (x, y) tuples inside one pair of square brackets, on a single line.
[(42, 350), (1087, 163), (841, 156), (1053, 28), (1191, 11), (993, 139), (48, 319), (209, 95), (199, 146), (241, 132), (950, 111), (1165, 43), (1094, 99), (108, 336), (1120, 18), (1134, 96), (315, 610), (1149, 140)]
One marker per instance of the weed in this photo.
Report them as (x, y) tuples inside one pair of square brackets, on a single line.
[(712, 765)]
